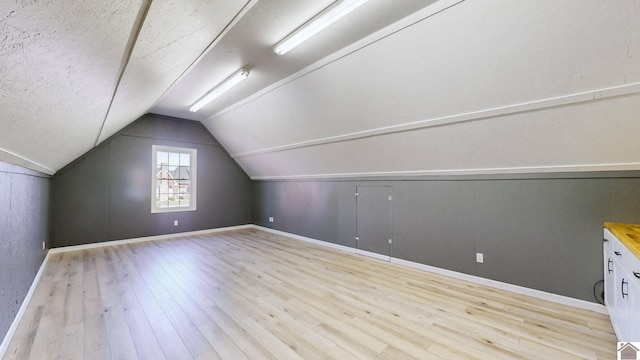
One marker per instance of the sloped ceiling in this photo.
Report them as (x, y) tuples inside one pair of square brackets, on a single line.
[(75, 72), (482, 87), (408, 87)]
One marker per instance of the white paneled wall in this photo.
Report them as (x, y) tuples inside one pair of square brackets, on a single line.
[(531, 86)]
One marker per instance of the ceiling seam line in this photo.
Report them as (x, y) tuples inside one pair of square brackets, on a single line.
[(213, 43), (168, 139), (7, 152), (499, 171), (142, 15), (538, 105), (45, 176)]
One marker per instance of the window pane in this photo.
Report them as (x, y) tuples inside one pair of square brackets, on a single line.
[(185, 159), (172, 180), (162, 157), (174, 159)]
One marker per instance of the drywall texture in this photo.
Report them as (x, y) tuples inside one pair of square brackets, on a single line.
[(82, 51), (24, 226), (106, 194), (541, 232)]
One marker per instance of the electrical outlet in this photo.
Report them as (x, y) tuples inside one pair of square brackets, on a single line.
[(480, 258), (270, 218), (175, 222), (43, 245)]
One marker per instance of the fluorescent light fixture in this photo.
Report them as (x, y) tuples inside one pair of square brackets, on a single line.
[(327, 17), (227, 84)]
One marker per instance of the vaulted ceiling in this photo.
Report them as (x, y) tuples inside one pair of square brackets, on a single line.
[(409, 87)]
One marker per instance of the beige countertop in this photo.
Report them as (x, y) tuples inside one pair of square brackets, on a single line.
[(628, 234)]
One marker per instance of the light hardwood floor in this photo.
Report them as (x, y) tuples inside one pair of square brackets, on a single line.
[(249, 294)]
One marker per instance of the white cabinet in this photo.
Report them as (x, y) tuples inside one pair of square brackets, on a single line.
[(634, 288), (609, 279), (622, 288)]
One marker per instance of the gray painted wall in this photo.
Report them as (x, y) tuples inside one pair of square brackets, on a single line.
[(106, 194), (24, 225), (539, 231)]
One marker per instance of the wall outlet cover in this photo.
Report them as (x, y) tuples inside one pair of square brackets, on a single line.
[(480, 257)]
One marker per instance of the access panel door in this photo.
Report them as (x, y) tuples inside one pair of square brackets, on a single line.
[(373, 222)]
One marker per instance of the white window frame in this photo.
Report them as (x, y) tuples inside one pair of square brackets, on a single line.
[(193, 165)]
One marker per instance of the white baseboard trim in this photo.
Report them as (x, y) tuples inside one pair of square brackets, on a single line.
[(539, 294), (23, 307), (307, 239), (373, 255), (146, 238)]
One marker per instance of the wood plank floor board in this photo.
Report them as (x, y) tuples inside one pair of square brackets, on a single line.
[(145, 340), (269, 340), (71, 341), (237, 308), (191, 336), (297, 316), (221, 343), (543, 351), (339, 353), (300, 348), (169, 340), (130, 305), (501, 338), (96, 338), (98, 355), (298, 334), (187, 294), (347, 342), (294, 320), (391, 335), (149, 304), (240, 336), (121, 343), (45, 343), (440, 351), (190, 308), (210, 355), (447, 335), (249, 294)]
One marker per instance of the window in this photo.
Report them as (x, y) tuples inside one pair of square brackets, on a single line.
[(173, 179)]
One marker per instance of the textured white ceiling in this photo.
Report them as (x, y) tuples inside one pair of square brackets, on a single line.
[(59, 62), (76, 72), (174, 34), (396, 87)]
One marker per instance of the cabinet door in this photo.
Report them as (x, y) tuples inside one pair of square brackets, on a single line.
[(609, 280), (622, 317), (634, 297)]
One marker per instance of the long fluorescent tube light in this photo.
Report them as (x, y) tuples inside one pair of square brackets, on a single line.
[(227, 84), (316, 24)]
